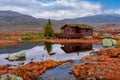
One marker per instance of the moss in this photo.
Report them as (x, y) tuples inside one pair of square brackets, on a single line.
[(80, 25)]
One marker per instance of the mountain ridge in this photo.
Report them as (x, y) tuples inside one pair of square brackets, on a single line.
[(15, 19), (100, 18)]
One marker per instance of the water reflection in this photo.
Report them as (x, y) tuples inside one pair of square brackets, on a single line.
[(76, 47), (48, 47), (16, 48), (69, 48)]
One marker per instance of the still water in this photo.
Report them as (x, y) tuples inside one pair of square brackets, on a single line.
[(37, 52), (17, 48), (42, 51)]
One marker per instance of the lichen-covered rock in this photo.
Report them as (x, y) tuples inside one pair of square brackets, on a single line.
[(108, 42), (10, 77), (114, 42), (16, 56), (51, 53), (65, 65)]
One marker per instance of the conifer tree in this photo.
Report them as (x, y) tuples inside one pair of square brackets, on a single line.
[(48, 31)]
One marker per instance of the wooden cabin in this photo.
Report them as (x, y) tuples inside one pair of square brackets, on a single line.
[(75, 31)]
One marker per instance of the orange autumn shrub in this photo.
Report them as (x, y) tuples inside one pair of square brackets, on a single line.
[(97, 70), (99, 58), (89, 58), (7, 43), (92, 41), (29, 71), (105, 67), (111, 52)]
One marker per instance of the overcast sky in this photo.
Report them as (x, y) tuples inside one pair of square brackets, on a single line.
[(61, 9)]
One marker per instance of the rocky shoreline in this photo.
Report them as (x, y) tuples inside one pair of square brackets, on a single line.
[(104, 67)]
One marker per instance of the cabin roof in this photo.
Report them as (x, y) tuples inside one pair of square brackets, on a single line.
[(77, 25)]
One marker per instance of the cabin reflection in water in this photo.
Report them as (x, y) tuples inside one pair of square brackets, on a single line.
[(76, 47)]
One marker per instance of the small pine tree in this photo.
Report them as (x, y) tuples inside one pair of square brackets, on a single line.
[(48, 31)]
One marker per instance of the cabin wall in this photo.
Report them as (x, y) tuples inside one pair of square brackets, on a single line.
[(86, 32), (69, 30)]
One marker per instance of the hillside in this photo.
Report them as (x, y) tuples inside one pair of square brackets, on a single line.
[(14, 19), (101, 18), (10, 18)]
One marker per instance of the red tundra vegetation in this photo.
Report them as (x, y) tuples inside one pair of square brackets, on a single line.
[(111, 31), (110, 52), (106, 66), (8, 43), (29, 71), (92, 40)]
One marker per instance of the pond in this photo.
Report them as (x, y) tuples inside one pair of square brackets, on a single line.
[(16, 48), (36, 52), (42, 51)]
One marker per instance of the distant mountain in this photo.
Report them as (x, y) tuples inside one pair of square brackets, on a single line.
[(10, 18), (15, 19), (101, 18)]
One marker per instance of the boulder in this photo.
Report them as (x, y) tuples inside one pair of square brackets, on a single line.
[(108, 42), (16, 56), (114, 42), (51, 53), (10, 77), (65, 65)]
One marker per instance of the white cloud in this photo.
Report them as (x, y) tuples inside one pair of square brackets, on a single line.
[(58, 9), (109, 11), (14, 8), (69, 9)]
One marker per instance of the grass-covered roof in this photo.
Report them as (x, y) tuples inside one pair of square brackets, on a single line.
[(80, 25), (77, 25)]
